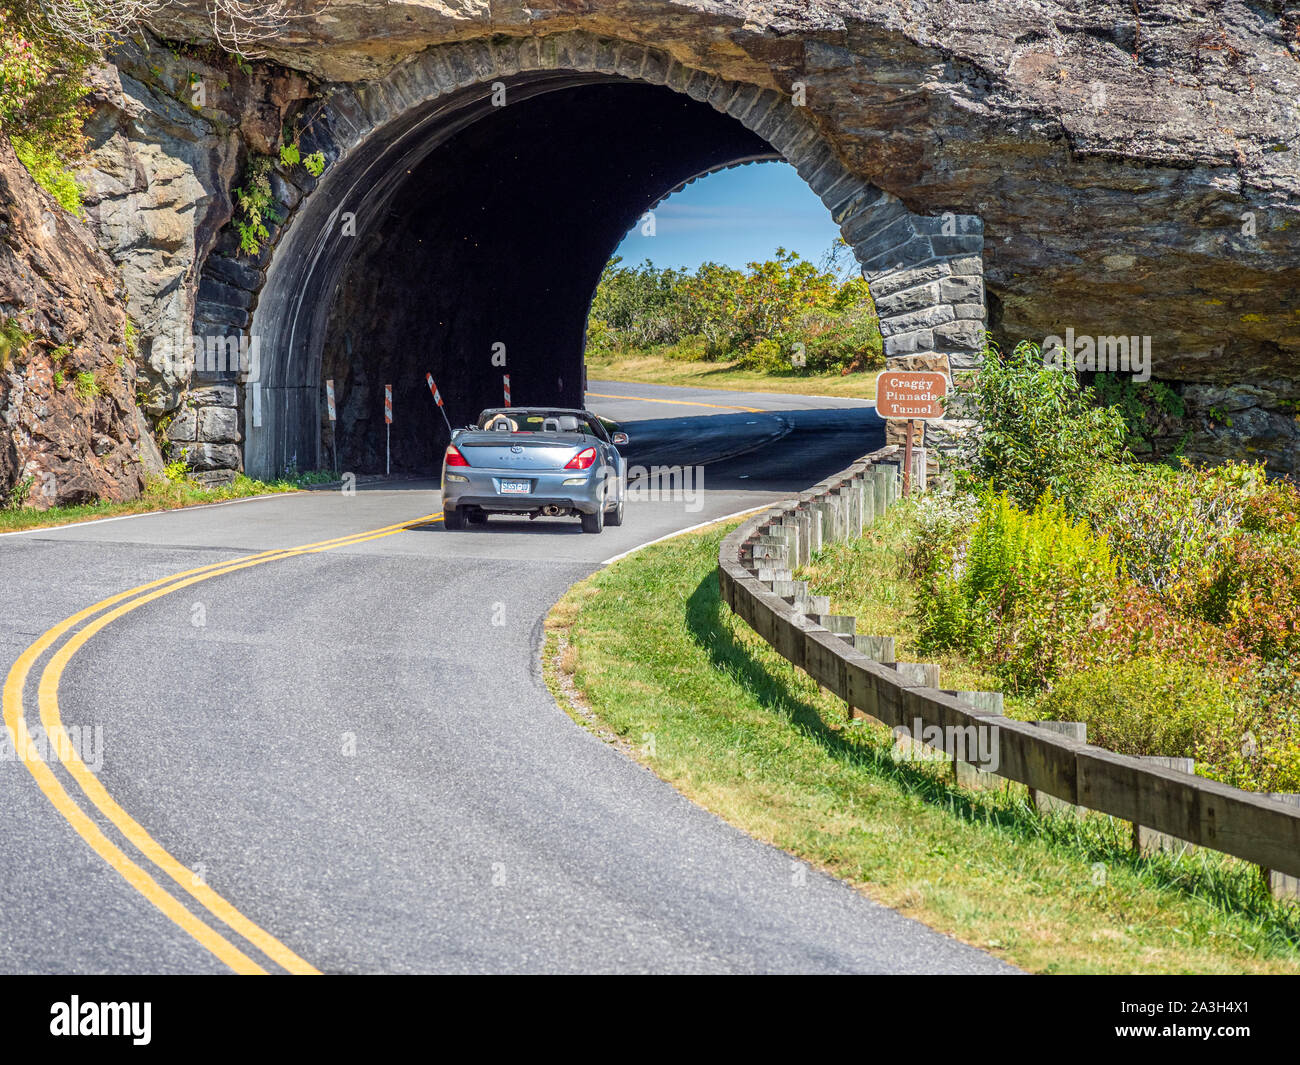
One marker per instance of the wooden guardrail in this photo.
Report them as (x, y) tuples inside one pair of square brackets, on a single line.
[(755, 567)]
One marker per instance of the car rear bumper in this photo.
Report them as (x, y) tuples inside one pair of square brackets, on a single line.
[(481, 489)]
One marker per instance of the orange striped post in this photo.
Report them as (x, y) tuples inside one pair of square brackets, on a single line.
[(437, 398), (506, 378)]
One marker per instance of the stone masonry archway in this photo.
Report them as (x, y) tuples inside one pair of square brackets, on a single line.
[(924, 272)]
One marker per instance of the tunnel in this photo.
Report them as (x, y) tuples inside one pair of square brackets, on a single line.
[(469, 201), (485, 260), (467, 246)]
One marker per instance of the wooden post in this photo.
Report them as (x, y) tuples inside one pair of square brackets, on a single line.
[(907, 457)]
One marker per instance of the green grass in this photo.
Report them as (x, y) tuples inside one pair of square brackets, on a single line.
[(657, 663), (662, 369), (159, 495), (864, 579)]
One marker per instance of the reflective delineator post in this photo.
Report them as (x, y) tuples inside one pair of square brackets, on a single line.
[(505, 377), (437, 398), (388, 430), (334, 440)]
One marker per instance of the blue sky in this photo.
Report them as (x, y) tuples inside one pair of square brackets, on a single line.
[(734, 217)]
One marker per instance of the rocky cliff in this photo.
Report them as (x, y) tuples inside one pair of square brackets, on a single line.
[(71, 430)]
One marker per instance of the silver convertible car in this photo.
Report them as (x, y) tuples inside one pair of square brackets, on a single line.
[(534, 461)]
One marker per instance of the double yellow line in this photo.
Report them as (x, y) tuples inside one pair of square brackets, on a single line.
[(108, 611)]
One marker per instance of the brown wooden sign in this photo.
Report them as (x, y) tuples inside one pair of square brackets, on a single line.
[(911, 395)]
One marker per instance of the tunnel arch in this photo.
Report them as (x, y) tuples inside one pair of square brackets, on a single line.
[(925, 272)]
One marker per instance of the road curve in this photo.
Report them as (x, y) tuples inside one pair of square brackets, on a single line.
[(352, 749)]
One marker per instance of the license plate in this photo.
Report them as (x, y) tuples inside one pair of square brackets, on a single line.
[(515, 488)]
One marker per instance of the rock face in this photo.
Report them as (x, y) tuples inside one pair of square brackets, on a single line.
[(1133, 170), (168, 132), (67, 376)]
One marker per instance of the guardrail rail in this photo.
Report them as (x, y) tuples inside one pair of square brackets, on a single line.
[(755, 573)]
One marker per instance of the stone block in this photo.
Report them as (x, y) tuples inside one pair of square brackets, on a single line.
[(214, 396), (214, 457), (915, 252), (888, 282), (184, 427), (909, 299), (966, 335), (909, 343), (962, 290), (219, 425), (928, 317)]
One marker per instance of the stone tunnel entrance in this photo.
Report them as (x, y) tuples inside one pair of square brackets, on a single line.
[(489, 254), (446, 229)]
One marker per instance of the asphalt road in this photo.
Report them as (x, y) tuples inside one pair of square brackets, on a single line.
[(354, 747)]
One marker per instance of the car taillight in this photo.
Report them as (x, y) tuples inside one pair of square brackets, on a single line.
[(454, 457), (582, 460)]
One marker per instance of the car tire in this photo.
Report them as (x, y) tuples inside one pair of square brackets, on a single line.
[(593, 523), (614, 516), (453, 519)]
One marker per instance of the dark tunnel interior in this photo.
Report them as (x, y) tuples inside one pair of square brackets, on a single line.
[(498, 237)]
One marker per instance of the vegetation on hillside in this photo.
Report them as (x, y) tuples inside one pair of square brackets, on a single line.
[(1160, 604), (42, 83), (647, 655), (782, 316)]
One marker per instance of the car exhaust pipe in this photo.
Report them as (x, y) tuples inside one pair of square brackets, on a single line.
[(552, 511)]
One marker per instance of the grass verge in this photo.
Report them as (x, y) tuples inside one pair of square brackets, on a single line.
[(865, 580), (647, 655), (159, 495), (727, 376)]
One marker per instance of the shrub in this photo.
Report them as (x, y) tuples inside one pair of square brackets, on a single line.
[(1169, 526), (1254, 594), (1025, 590), (1136, 623), (1243, 730), (86, 385), (1220, 544), (1147, 706), (1264, 752), (760, 316), (1150, 409), (941, 527), (255, 205), (42, 81), (15, 496), (1039, 429)]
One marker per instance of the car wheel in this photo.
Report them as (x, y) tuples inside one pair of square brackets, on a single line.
[(614, 517), (593, 523), (453, 519)]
